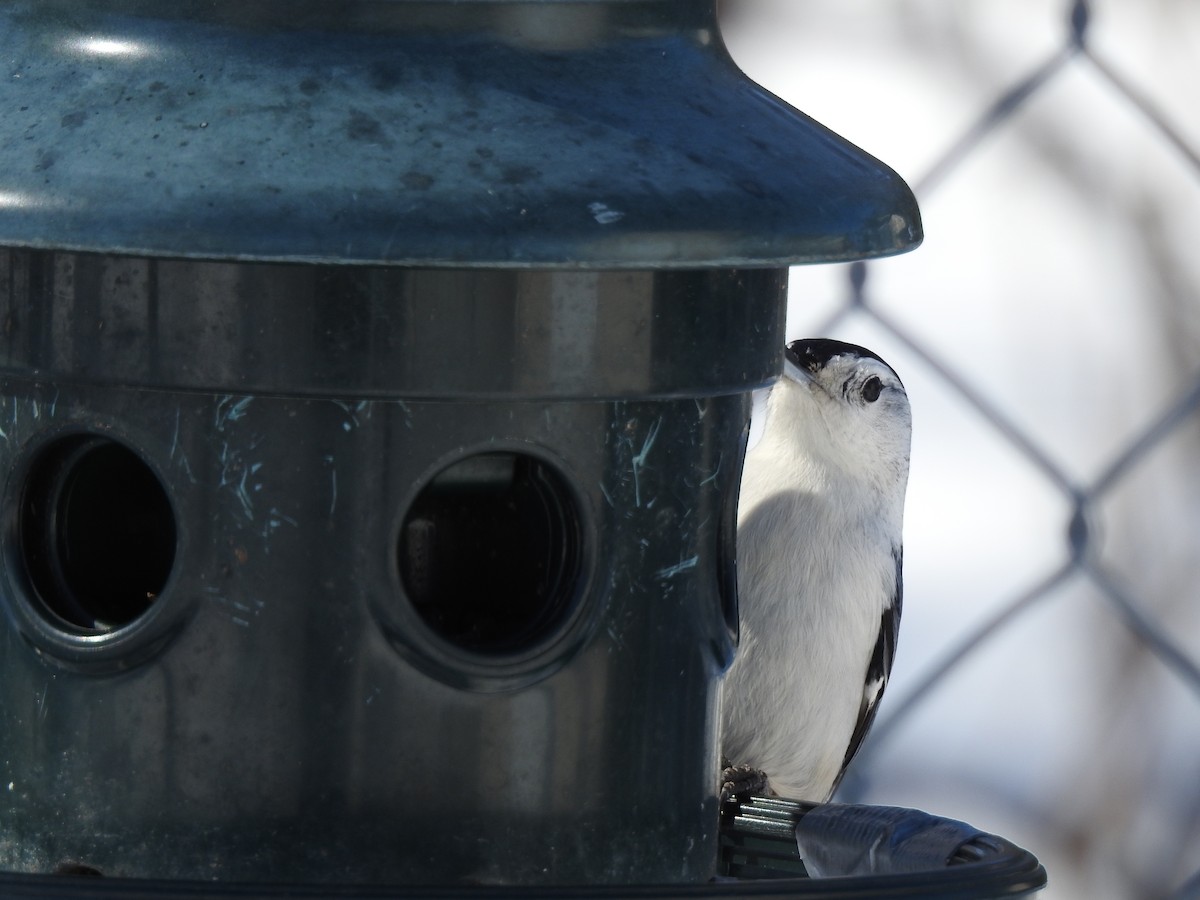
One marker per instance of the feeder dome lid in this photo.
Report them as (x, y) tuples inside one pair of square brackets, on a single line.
[(486, 133)]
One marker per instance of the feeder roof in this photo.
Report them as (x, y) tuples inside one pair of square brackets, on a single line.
[(585, 134)]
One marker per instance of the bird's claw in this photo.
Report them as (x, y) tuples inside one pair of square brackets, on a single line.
[(742, 781)]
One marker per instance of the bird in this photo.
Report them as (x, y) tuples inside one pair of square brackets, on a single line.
[(819, 559)]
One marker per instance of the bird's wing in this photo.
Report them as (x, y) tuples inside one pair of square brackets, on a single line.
[(880, 666)]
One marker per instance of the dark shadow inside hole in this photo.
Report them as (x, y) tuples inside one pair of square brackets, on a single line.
[(490, 553), (97, 533)]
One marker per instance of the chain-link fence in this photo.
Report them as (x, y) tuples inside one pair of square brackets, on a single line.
[(1055, 689)]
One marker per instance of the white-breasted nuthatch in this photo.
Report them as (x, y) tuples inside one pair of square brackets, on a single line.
[(819, 557)]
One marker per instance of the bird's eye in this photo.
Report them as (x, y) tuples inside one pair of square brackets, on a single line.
[(871, 389)]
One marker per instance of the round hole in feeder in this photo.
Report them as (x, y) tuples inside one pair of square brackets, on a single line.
[(97, 534), (490, 553)]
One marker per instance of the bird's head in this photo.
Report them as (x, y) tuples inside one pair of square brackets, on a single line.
[(853, 407)]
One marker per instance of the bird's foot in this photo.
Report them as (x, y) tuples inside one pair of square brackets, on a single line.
[(742, 781)]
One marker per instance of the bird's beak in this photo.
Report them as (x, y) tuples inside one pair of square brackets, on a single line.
[(800, 374), (796, 373)]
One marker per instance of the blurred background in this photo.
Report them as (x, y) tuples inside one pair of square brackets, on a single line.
[(1047, 684)]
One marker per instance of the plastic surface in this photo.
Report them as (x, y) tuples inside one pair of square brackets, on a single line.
[(841, 839), (477, 134), (437, 608), (758, 841), (838, 850), (354, 331)]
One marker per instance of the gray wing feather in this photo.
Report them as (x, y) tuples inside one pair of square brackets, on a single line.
[(880, 667)]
